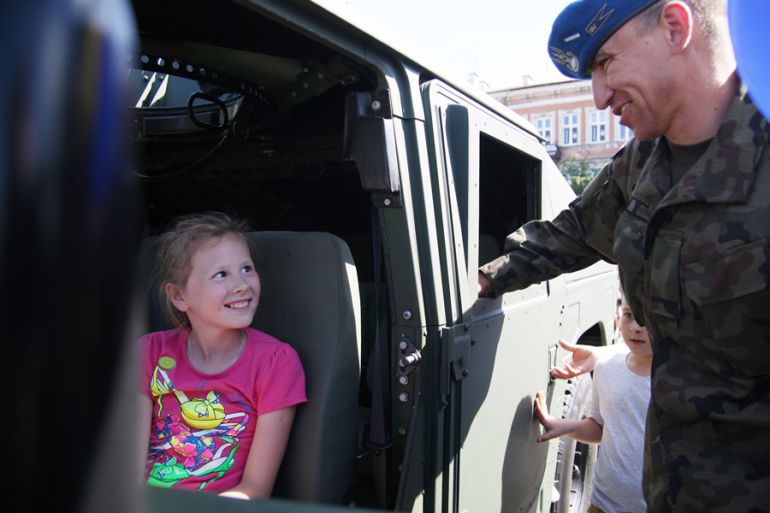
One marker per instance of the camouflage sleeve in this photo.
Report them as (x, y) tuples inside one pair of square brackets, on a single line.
[(577, 237)]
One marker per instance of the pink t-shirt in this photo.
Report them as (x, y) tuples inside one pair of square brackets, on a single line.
[(203, 424)]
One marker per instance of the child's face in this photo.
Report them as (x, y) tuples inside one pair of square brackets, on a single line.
[(222, 290), (635, 336)]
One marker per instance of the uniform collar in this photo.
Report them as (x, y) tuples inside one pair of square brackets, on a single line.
[(725, 173)]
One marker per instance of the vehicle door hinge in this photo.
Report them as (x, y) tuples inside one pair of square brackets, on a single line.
[(456, 345), (370, 141)]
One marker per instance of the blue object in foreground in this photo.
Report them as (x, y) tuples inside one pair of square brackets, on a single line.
[(751, 41)]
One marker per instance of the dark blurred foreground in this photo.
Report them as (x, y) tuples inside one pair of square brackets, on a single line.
[(68, 237)]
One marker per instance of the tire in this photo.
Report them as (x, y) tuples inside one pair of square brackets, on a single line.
[(575, 463)]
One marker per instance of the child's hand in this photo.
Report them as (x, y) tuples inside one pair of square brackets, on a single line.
[(549, 423), (583, 360)]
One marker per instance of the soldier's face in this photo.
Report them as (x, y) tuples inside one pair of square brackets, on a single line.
[(630, 76)]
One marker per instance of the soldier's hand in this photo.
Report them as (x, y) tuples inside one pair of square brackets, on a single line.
[(583, 360), (485, 285)]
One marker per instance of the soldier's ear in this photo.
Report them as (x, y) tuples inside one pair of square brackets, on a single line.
[(676, 20)]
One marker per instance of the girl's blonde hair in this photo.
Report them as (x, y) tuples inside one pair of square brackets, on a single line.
[(178, 247)]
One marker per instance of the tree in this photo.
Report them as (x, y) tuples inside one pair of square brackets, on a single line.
[(578, 172)]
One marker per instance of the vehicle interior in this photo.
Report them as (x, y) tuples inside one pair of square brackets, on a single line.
[(232, 111), (249, 120)]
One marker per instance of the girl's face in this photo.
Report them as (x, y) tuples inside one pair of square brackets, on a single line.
[(222, 290), (635, 336)]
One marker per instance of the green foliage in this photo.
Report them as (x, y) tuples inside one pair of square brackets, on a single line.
[(578, 172)]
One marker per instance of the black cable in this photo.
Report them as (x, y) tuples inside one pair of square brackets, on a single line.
[(187, 168), (212, 99)]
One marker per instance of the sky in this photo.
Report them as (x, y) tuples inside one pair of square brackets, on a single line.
[(499, 41)]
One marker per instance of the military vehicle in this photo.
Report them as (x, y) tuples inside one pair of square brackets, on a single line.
[(375, 185)]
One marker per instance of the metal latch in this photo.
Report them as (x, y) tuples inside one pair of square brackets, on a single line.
[(456, 345), (409, 356)]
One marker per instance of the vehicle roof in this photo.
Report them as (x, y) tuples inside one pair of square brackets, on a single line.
[(378, 36), (322, 20)]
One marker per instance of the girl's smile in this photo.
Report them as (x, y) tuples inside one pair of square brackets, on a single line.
[(223, 288)]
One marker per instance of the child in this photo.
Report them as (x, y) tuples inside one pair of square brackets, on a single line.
[(621, 396), (218, 396)]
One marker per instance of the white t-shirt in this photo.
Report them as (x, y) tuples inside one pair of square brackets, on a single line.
[(620, 402)]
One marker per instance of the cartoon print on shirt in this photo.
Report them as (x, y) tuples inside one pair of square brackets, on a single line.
[(204, 438)]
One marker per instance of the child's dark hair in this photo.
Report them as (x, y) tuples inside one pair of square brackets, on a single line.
[(177, 248)]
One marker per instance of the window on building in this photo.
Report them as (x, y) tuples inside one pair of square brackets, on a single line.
[(570, 129), (597, 123), (622, 133), (544, 127)]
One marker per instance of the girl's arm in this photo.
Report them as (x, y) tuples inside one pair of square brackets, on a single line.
[(144, 417), (585, 430), (265, 455)]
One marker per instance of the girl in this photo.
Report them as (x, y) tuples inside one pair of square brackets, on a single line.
[(218, 397)]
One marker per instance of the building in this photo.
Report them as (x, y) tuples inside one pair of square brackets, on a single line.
[(579, 136)]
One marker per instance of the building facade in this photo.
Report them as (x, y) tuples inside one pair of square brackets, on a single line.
[(579, 136)]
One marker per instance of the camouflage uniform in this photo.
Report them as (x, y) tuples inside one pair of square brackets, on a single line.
[(694, 261)]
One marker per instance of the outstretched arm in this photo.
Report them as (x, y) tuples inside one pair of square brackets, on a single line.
[(576, 238), (583, 359), (585, 430), (264, 460)]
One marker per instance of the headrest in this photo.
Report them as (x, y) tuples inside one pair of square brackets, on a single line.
[(748, 30), (583, 26)]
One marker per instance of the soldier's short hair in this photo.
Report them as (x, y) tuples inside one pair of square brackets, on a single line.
[(708, 14)]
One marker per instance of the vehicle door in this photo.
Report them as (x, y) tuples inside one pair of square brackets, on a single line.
[(495, 353)]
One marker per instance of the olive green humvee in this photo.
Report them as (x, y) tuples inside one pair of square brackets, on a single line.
[(375, 186)]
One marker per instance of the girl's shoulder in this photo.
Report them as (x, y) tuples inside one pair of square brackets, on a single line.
[(260, 337), (163, 336), (162, 348), (166, 340), (268, 346)]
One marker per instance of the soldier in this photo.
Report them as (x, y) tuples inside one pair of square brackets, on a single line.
[(684, 210)]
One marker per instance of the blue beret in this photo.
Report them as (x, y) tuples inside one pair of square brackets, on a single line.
[(583, 26)]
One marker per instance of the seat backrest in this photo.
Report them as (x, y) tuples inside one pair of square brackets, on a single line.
[(310, 300)]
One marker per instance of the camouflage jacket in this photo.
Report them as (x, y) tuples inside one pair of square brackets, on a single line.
[(695, 263)]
